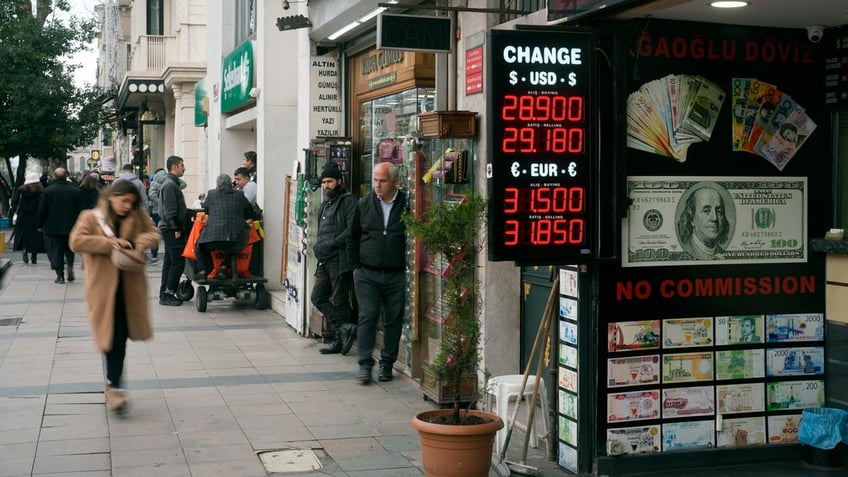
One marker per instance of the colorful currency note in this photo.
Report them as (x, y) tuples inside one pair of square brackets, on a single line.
[(788, 395), (702, 113), (738, 329), (633, 406), (739, 364), (743, 431), (756, 90), (568, 308), (568, 404), (633, 371), (767, 108), (739, 398), (688, 435), (568, 379), (568, 282), (687, 367), (687, 402), (783, 429), (567, 430), (795, 327), (567, 355), (686, 332), (754, 211), (785, 107), (789, 137), (795, 361), (739, 98), (635, 440), (568, 332), (630, 335), (567, 457)]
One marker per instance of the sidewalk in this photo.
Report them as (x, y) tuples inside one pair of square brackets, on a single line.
[(209, 392)]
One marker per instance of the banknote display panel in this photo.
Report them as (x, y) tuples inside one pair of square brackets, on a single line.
[(739, 364), (744, 431), (783, 429), (743, 329), (795, 361), (789, 395), (795, 327), (633, 371), (687, 332), (687, 367), (540, 140), (688, 435), (687, 402), (635, 440), (633, 406), (633, 335), (740, 398), (715, 221)]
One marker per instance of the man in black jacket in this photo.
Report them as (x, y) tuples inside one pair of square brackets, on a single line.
[(331, 292), (377, 250), (57, 213), (173, 223)]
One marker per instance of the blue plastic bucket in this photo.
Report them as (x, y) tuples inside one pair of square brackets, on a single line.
[(4, 222)]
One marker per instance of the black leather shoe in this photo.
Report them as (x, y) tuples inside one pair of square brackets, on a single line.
[(385, 373), (364, 375), (70, 276), (59, 280), (26, 258), (334, 347), (169, 300), (34, 259), (348, 333)]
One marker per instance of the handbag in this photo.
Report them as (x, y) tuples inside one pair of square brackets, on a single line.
[(122, 258)]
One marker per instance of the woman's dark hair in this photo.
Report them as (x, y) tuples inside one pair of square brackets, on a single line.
[(122, 187), (90, 182)]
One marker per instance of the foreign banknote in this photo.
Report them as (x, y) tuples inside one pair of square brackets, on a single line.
[(739, 364), (686, 332), (743, 431), (795, 361), (568, 457), (568, 332), (687, 367), (738, 329), (783, 429), (632, 335), (567, 355), (633, 406), (568, 430), (568, 379), (633, 371), (635, 440), (688, 435), (795, 327), (568, 308), (687, 402), (739, 398), (762, 221), (568, 404), (788, 395)]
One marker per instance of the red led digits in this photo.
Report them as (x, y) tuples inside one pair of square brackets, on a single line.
[(544, 200), (531, 107), (544, 232)]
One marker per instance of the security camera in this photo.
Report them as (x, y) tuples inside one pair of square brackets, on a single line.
[(815, 33), (286, 5)]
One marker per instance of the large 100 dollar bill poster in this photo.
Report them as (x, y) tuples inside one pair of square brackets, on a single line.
[(712, 220)]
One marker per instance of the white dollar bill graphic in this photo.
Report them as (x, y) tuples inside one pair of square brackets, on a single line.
[(710, 220)]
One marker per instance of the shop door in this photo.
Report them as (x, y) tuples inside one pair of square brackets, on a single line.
[(535, 288)]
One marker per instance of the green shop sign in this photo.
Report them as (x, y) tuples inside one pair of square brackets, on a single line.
[(238, 77), (201, 103)]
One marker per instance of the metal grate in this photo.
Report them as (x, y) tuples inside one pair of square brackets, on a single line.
[(10, 321)]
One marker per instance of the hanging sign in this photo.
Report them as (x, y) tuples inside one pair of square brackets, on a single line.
[(540, 131)]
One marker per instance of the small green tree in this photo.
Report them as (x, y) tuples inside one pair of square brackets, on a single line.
[(42, 113), (454, 231)]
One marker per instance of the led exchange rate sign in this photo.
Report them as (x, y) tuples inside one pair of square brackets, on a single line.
[(540, 131)]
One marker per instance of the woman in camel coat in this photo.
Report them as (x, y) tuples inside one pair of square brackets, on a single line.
[(117, 300)]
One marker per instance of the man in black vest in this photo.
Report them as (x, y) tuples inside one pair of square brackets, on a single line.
[(57, 213), (333, 277), (377, 249)]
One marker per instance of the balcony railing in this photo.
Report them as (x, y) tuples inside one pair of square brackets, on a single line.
[(152, 53)]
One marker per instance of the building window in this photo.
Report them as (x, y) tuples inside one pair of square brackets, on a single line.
[(508, 6), (245, 19), (155, 17)]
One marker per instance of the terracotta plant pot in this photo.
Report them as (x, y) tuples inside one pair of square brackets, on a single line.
[(456, 451)]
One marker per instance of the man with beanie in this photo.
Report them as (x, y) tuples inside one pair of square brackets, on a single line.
[(333, 276)]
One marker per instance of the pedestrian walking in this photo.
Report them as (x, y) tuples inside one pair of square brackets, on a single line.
[(27, 237), (174, 226), (89, 192), (377, 249), (116, 299), (57, 213)]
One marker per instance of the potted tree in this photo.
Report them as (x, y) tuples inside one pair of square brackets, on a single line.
[(453, 229)]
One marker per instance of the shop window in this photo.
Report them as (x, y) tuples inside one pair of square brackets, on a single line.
[(385, 126), (840, 186), (245, 26), (508, 6)]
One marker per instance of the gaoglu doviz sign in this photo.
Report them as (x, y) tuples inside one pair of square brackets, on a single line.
[(541, 179)]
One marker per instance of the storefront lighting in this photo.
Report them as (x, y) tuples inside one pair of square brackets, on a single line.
[(359, 21), (729, 4), (371, 14), (341, 31)]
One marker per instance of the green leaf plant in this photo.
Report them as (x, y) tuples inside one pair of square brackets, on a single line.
[(454, 230)]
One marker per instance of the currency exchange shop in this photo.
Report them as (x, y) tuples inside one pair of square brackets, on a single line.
[(713, 330)]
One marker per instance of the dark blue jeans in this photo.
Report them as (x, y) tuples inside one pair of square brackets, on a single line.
[(331, 292), (59, 253), (377, 291), (174, 263)]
